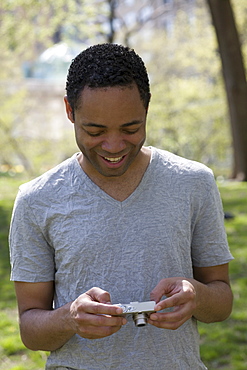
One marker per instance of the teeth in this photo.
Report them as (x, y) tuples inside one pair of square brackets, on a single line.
[(113, 160)]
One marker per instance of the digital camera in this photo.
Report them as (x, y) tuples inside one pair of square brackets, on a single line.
[(140, 311)]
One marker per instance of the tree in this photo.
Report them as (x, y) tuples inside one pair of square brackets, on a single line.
[(27, 28), (126, 19), (235, 80), (188, 112), (112, 17)]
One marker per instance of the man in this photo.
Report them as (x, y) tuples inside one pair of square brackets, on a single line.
[(116, 223)]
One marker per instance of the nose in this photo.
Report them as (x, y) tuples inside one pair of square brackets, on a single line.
[(113, 143)]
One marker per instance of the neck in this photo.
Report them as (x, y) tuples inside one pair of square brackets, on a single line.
[(120, 187)]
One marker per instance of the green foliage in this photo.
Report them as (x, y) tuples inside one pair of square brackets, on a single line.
[(188, 113), (34, 22), (27, 28)]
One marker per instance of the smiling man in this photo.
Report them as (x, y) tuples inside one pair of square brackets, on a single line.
[(110, 131), (117, 223)]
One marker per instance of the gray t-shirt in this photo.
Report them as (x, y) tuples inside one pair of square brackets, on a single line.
[(65, 228)]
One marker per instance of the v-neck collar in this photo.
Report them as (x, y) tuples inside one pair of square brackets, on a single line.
[(100, 192)]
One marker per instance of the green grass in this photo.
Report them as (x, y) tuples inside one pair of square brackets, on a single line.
[(223, 345), (13, 354)]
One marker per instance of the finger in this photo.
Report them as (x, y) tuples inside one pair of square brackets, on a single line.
[(158, 291), (178, 299), (100, 308), (99, 295), (94, 332), (170, 320), (87, 319), (171, 325), (170, 302), (164, 287), (93, 326), (176, 315), (180, 314)]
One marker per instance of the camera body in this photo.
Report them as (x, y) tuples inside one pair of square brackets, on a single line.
[(140, 311)]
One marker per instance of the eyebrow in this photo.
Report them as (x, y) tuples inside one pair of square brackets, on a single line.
[(132, 123)]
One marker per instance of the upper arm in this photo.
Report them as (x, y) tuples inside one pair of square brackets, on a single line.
[(34, 295), (212, 273)]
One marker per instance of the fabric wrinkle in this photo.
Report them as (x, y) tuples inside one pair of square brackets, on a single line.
[(81, 237)]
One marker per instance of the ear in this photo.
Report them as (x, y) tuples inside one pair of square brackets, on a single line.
[(69, 110)]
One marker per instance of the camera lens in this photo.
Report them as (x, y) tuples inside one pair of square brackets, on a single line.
[(140, 319)]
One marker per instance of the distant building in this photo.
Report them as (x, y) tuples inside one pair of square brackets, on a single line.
[(46, 77), (45, 81), (53, 63)]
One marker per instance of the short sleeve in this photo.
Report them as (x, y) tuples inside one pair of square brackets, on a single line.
[(31, 257), (209, 240)]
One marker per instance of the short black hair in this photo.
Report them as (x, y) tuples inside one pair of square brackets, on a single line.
[(106, 65)]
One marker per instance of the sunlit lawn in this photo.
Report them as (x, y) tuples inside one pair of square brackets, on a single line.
[(223, 345), (13, 354)]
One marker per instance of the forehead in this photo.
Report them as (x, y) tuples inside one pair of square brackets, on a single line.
[(112, 95), (109, 104)]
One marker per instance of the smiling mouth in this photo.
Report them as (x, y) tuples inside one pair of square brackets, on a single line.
[(113, 160)]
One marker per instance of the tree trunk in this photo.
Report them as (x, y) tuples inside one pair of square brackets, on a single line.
[(235, 80), (112, 17)]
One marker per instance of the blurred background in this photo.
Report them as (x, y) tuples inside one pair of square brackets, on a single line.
[(195, 52), (189, 112)]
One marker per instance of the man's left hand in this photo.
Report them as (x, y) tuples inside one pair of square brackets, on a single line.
[(181, 297)]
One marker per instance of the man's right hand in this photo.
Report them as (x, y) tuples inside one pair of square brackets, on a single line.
[(92, 315)]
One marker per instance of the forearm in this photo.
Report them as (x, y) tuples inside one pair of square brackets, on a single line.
[(91, 316), (213, 301), (46, 330)]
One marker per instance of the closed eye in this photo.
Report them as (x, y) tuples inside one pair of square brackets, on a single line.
[(94, 134), (131, 132)]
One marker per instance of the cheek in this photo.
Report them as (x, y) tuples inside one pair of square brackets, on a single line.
[(136, 139), (84, 140), (139, 139)]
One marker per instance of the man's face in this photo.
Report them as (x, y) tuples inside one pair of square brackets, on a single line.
[(110, 128)]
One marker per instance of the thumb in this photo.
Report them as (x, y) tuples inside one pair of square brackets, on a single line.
[(161, 289), (99, 295)]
